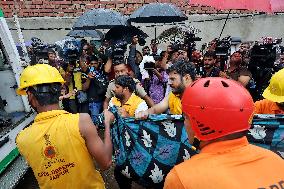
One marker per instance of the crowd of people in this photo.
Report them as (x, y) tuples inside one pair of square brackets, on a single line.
[(198, 86)]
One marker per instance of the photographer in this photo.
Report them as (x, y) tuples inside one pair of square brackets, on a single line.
[(123, 69), (85, 53), (55, 62), (236, 71), (73, 80), (115, 54), (156, 82), (95, 84), (133, 59)]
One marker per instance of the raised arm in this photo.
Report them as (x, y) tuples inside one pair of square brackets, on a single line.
[(100, 150)]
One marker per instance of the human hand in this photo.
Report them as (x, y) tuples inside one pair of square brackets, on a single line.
[(142, 115), (223, 75), (109, 118), (122, 112), (197, 77), (134, 40), (91, 75)]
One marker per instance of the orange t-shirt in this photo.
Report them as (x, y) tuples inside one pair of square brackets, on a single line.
[(231, 164), (267, 107)]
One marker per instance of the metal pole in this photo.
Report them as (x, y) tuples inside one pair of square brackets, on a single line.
[(21, 39), (225, 23)]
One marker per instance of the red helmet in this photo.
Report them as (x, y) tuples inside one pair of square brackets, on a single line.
[(217, 107)]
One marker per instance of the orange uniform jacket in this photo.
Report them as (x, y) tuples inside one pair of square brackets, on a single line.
[(266, 107), (231, 164)]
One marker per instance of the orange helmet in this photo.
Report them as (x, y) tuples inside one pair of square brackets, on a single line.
[(217, 107)]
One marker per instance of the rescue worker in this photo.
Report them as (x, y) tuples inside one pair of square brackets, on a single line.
[(274, 96), (181, 75), (59, 146), (226, 159)]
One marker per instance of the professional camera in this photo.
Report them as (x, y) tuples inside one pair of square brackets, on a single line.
[(141, 41), (71, 51), (118, 50), (223, 46), (39, 51), (149, 65), (262, 65), (189, 42), (190, 38)]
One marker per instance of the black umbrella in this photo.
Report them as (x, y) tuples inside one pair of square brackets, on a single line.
[(85, 33), (100, 19), (124, 32), (157, 13)]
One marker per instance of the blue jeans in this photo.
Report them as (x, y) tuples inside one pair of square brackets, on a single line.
[(95, 108)]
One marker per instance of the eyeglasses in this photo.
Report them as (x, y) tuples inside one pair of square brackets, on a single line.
[(85, 49)]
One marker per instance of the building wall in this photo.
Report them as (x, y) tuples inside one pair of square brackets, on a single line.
[(73, 8), (51, 20)]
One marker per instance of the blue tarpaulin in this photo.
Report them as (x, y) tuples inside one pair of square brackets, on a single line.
[(146, 150)]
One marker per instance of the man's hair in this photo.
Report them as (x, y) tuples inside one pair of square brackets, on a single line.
[(50, 51), (182, 68), (153, 41), (145, 47), (46, 94), (126, 81), (210, 54), (120, 62)]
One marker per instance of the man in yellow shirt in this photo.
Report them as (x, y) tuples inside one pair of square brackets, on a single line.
[(181, 75), (274, 96), (129, 104), (226, 159), (60, 146)]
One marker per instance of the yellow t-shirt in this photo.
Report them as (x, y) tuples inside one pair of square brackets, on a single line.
[(174, 104), (57, 153), (78, 83), (130, 106)]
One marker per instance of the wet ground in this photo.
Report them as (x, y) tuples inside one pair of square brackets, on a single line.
[(29, 180)]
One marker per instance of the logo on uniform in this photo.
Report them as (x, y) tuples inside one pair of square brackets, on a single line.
[(50, 152)]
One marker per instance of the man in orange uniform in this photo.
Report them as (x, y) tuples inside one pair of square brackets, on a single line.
[(274, 96), (226, 159), (59, 146)]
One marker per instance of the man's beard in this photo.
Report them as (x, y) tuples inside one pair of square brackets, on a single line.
[(179, 89), (208, 66), (120, 97)]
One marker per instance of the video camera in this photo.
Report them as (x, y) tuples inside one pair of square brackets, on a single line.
[(189, 42), (141, 41), (118, 50), (149, 65), (223, 46), (71, 51), (39, 50), (262, 64)]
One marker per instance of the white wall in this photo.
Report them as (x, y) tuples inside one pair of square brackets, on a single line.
[(248, 27)]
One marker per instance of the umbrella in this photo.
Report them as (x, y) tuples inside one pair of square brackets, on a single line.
[(100, 19), (259, 5), (157, 13), (85, 33), (124, 32)]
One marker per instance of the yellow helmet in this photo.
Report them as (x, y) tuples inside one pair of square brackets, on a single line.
[(38, 74), (275, 90)]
